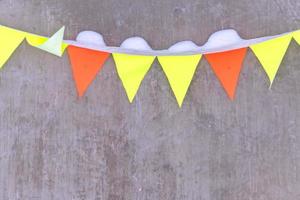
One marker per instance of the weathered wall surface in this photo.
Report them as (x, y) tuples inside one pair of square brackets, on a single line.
[(54, 146)]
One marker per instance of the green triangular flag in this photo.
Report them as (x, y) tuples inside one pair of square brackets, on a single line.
[(53, 45)]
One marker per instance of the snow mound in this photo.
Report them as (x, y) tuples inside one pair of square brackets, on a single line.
[(91, 38), (222, 38), (136, 43), (183, 46)]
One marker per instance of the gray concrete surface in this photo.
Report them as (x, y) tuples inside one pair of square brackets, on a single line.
[(55, 146)]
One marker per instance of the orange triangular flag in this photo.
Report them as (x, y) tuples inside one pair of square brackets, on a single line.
[(227, 67), (86, 63)]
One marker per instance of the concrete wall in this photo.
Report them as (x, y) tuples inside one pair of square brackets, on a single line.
[(55, 146)]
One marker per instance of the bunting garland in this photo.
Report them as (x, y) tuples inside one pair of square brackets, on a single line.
[(179, 63)]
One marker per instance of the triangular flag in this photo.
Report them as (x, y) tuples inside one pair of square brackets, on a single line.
[(86, 63), (132, 70), (270, 54), (227, 66), (179, 71), (54, 44), (296, 36), (10, 39)]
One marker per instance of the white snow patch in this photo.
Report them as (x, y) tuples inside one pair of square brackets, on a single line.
[(90, 38), (222, 38), (183, 46), (136, 43)]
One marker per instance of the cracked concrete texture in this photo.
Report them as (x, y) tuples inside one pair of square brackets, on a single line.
[(55, 146)]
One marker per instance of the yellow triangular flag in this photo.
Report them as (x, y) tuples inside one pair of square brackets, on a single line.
[(10, 39), (270, 54), (179, 71), (296, 36), (54, 44), (132, 70)]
